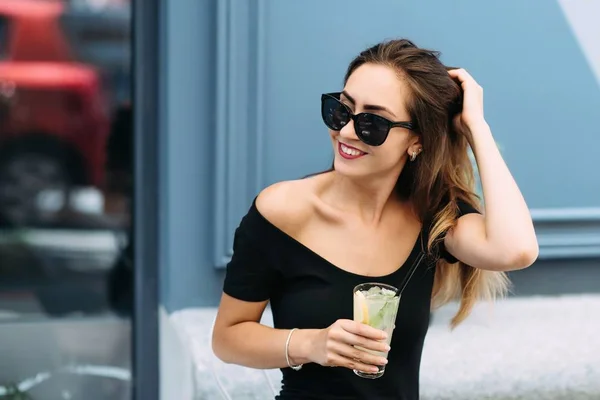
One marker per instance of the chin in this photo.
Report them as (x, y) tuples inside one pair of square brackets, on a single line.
[(361, 171), (350, 169)]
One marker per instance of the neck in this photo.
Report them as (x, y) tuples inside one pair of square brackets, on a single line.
[(367, 198)]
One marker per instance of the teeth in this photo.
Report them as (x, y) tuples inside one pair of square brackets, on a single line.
[(349, 151)]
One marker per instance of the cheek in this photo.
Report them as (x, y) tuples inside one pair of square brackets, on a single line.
[(393, 149)]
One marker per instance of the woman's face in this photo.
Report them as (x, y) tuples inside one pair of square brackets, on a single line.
[(375, 89)]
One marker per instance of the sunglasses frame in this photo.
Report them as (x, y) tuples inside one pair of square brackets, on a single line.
[(354, 117)]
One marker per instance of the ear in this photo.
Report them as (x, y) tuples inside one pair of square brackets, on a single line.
[(415, 146)]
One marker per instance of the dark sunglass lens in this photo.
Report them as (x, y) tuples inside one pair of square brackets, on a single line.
[(334, 114), (372, 129)]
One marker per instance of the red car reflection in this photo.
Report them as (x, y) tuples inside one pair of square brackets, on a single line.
[(54, 115)]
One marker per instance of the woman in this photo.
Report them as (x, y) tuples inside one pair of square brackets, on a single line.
[(401, 185)]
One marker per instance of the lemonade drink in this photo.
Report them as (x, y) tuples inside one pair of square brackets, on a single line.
[(376, 305)]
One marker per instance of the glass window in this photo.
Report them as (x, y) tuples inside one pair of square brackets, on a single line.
[(66, 259)]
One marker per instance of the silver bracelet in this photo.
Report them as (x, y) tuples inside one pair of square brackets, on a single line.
[(287, 357)]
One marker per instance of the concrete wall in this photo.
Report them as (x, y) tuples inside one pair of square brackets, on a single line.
[(242, 81)]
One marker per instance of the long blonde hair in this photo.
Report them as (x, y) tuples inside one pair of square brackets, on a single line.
[(442, 175)]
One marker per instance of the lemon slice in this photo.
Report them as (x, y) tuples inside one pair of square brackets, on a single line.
[(361, 299)]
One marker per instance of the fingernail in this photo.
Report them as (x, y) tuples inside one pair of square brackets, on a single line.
[(374, 369), (385, 361), (388, 348)]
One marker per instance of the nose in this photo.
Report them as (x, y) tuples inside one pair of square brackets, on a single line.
[(348, 131)]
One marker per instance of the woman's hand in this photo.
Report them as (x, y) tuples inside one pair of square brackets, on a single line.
[(334, 346), (471, 117)]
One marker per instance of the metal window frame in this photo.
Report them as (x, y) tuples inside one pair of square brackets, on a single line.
[(146, 35)]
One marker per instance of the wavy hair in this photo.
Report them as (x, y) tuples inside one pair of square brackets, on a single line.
[(442, 176)]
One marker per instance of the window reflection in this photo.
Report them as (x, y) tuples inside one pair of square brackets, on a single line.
[(65, 199)]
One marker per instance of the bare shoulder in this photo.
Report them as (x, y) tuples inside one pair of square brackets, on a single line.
[(287, 204)]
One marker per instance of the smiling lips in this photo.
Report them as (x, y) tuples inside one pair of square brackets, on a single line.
[(349, 152)]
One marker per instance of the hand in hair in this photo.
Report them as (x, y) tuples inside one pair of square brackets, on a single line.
[(472, 114)]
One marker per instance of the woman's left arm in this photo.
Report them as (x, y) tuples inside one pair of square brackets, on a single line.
[(504, 238)]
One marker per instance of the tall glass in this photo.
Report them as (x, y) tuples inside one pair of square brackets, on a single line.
[(376, 305)]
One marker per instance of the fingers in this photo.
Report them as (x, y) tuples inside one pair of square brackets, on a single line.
[(363, 330), (368, 344), (375, 343), (341, 361), (358, 355), (460, 73), (463, 76)]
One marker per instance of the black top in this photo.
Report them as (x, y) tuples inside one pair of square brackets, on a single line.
[(308, 292)]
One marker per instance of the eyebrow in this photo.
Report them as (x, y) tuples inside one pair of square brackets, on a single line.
[(368, 107)]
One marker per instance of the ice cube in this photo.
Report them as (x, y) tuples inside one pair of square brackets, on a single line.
[(374, 291)]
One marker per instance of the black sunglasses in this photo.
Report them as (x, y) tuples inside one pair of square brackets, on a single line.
[(371, 129)]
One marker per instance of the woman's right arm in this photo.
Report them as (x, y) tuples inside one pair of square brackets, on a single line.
[(239, 338)]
